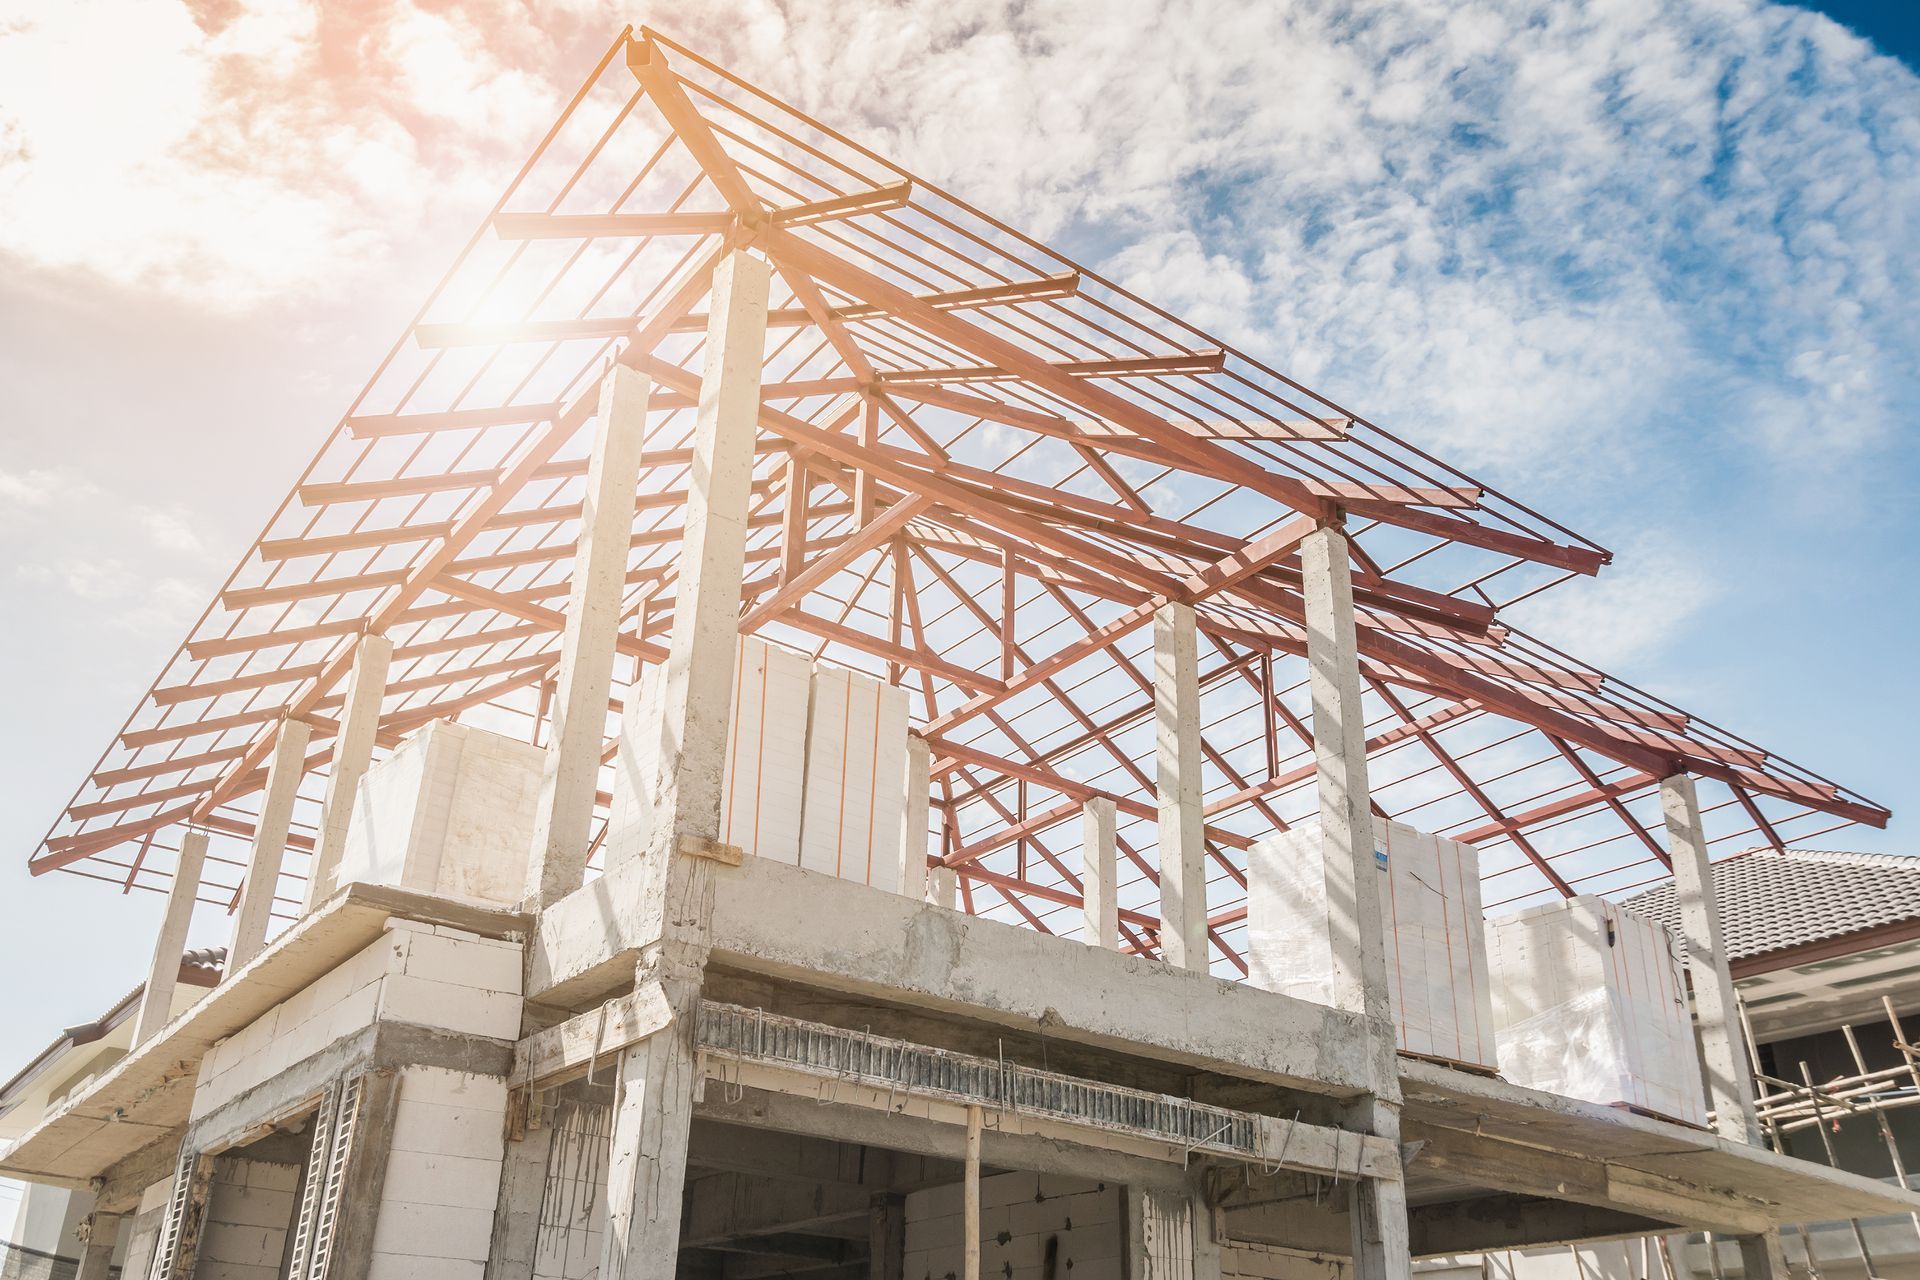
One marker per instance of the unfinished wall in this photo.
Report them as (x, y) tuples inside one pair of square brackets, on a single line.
[(249, 1213), (1024, 1218), (1241, 1261), (442, 1177), (427, 975), (573, 1203)]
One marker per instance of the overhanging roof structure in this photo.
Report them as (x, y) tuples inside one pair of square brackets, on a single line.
[(981, 467)]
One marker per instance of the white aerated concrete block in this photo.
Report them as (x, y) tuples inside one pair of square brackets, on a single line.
[(1435, 934), (856, 753), (815, 755), (450, 812), (1590, 1002), (442, 1176)]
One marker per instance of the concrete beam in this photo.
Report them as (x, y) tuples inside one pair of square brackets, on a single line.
[(1182, 830), (571, 775), (156, 1001), (284, 771), (1099, 873), (726, 1206), (1723, 1049), (352, 755), (1486, 1223)]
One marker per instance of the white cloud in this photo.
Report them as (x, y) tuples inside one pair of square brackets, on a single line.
[(1529, 233), (1627, 616)]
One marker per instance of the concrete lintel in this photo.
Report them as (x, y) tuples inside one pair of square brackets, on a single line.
[(1485, 1223)]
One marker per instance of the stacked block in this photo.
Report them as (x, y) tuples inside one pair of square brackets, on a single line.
[(1590, 1002), (449, 812), (814, 760), (1435, 934)]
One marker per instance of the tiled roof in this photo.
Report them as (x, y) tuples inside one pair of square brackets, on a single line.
[(1774, 899)]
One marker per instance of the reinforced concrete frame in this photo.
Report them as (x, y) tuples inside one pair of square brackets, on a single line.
[(930, 415)]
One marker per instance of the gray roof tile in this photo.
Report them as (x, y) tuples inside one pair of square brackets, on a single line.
[(1771, 900)]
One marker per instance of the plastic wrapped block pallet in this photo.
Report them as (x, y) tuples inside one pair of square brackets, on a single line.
[(1435, 934), (766, 750), (1590, 1002), (449, 812), (814, 760)]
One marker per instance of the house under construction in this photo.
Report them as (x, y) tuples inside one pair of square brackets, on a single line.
[(792, 730)]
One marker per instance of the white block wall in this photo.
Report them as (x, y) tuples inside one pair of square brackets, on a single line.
[(1590, 1002), (443, 1177), (1435, 934), (249, 1212), (815, 755), (449, 812), (427, 975), (1019, 1214), (137, 1258)]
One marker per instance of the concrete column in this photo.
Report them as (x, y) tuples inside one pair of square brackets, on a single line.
[(352, 753), (1722, 1045), (558, 862), (1098, 870), (1183, 852), (913, 818), (284, 771), (1355, 926), (653, 1104), (156, 1001), (697, 692), (97, 1255), (943, 887)]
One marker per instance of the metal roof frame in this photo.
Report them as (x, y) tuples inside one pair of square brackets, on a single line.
[(981, 467)]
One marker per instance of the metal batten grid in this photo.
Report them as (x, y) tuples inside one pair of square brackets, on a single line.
[(905, 1069), (980, 467)]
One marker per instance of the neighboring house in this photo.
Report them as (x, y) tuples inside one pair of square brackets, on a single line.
[(1816, 940), (40, 1239)]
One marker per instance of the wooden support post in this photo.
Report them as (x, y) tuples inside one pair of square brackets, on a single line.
[(1098, 871), (156, 1001), (1183, 851), (284, 771), (1723, 1052), (558, 862), (96, 1256), (352, 754), (1355, 925), (653, 1105), (913, 818), (970, 1215)]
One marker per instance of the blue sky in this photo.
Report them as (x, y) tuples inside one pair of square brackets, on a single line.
[(1644, 265)]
